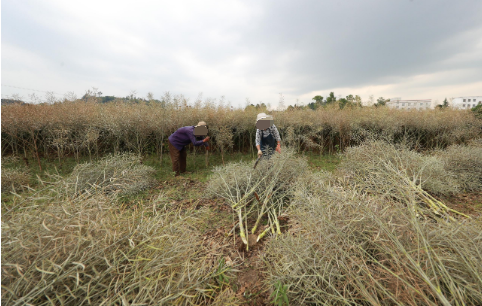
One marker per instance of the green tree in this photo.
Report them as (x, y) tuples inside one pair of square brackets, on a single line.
[(318, 99), (381, 102), (444, 105), (350, 98), (318, 102), (331, 98), (343, 102), (477, 110)]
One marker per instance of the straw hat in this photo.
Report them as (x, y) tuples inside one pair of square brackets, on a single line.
[(201, 123), (263, 116)]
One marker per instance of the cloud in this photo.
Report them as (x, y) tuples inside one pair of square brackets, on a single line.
[(243, 49)]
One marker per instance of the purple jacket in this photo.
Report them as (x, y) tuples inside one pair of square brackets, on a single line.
[(184, 136)]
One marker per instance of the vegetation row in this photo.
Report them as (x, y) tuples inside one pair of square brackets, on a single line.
[(94, 129)]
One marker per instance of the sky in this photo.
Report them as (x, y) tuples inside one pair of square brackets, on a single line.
[(256, 51)]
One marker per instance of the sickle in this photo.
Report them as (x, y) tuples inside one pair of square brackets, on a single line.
[(256, 163)]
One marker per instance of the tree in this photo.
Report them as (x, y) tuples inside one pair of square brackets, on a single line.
[(358, 101), (132, 95), (318, 99), (477, 110), (342, 102), (444, 105), (312, 105), (331, 98), (350, 98), (381, 102), (318, 102)]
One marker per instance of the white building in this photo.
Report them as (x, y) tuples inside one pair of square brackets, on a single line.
[(466, 102), (398, 103)]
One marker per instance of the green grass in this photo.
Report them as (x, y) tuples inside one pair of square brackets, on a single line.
[(323, 162), (198, 172)]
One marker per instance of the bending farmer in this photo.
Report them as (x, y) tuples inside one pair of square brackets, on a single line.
[(267, 136), (180, 139)]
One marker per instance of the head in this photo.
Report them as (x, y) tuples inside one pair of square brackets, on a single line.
[(201, 129), (264, 121)]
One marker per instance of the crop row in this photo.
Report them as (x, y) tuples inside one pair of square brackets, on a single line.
[(88, 129)]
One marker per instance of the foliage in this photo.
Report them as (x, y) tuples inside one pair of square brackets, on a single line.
[(381, 102), (477, 111), (95, 129), (279, 296)]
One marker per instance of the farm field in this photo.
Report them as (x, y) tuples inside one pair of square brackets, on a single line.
[(382, 211)]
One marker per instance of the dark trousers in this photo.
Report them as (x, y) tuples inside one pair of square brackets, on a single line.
[(268, 146), (178, 159)]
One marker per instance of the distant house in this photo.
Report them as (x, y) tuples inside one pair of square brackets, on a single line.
[(398, 103), (466, 102)]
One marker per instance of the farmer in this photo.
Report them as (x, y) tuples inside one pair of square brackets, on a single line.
[(181, 138), (267, 136)]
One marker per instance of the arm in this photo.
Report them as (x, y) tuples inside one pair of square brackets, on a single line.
[(258, 142), (197, 142), (278, 138)]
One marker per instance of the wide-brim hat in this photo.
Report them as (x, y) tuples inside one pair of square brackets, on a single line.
[(201, 123), (263, 116)]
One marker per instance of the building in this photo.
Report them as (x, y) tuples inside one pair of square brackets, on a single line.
[(398, 103), (466, 102)]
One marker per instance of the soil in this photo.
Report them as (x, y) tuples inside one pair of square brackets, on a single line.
[(247, 282), (466, 203)]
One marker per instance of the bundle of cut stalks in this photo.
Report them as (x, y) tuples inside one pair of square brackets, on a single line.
[(66, 251), (258, 193), (378, 167), (121, 174), (466, 163), (346, 247)]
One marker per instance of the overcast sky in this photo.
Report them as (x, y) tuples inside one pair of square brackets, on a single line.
[(419, 49)]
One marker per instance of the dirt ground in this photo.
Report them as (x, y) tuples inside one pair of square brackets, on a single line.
[(467, 203)]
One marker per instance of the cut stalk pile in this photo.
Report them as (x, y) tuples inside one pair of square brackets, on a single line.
[(377, 167), (258, 193)]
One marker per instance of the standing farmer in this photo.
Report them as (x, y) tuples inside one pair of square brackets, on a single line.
[(180, 139), (267, 136)]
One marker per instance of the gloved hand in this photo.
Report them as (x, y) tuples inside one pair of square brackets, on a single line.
[(278, 149), (260, 153), (206, 139)]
